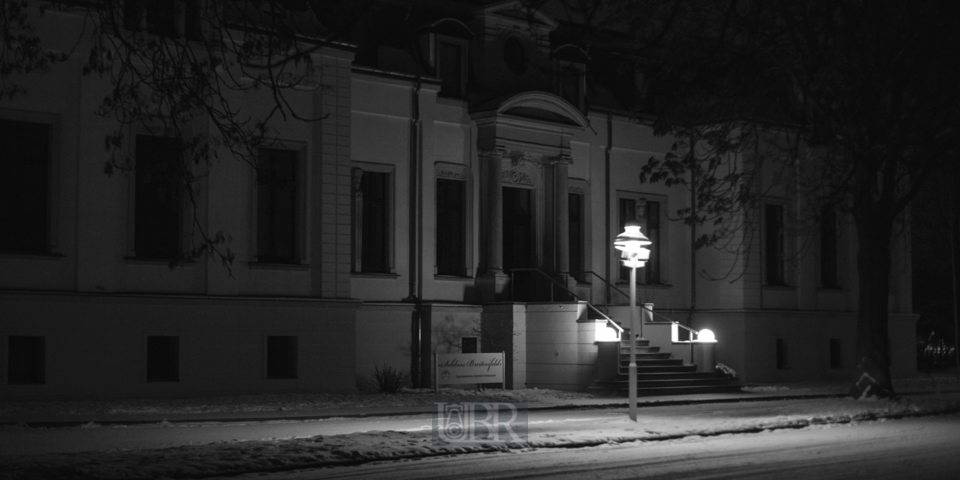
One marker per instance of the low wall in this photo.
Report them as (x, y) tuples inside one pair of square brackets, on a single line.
[(550, 348), (747, 342), (96, 345)]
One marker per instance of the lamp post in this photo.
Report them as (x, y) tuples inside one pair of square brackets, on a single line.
[(633, 255)]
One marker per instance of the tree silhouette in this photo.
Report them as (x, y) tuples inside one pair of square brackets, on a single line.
[(851, 105), (179, 70)]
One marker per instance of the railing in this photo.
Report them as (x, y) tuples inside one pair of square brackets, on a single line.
[(609, 285), (555, 283), (668, 321)]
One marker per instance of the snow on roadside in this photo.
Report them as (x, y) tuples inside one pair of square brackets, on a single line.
[(293, 402), (656, 423), (268, 402)]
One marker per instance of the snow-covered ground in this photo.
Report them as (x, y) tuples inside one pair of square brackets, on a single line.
[(657, 423), (12, 411), (248, 404)]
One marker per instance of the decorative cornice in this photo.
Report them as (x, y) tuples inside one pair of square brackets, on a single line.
[(518, 158), (498, 151), (516, 177), (547, 102), (562, 159)]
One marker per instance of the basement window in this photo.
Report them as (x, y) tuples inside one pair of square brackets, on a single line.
[(26, 360), (836, 354), (163, 359), (782, 357), (281, 357), (469, 345)]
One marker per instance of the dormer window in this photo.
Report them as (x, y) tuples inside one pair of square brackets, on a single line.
[(448, 43), (451, 67), (570, 82), (514, 55), (570, 66), (167, 18)]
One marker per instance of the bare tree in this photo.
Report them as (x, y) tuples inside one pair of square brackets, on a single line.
[(935, 219), (174, 65), (855, 102)]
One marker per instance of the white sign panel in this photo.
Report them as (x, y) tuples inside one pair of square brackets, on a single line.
[(460, 368)]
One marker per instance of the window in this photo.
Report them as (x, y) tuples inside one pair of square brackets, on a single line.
[(281, 357), (451, 227), (372, 214), (24, 209), (514, 55), (651, 223), (168, 18), (782, 358), (773, 244), (157, 198), (277, 198), (828, 248), (469, 345), (836, 354), (163, 359), (570, 82), (26, 360), (450, 67), (577, 225), (648, 214)]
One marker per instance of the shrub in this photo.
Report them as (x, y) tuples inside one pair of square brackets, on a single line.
[(387, 379)]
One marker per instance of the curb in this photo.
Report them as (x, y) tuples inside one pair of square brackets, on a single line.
[(424, 410)]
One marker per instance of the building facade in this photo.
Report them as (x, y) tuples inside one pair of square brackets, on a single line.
[(467, 175)]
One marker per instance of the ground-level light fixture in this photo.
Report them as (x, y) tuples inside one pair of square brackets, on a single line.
[(706, 336), (631, 244)]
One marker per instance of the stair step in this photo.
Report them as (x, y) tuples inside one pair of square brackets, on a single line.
[(651, 361), (669, 390), (625, 349), (675, 375), (655, 369), (668, 382), (659, 373), (647, 355)]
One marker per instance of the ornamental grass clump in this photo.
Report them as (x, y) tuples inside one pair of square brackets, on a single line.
[(387, 379)]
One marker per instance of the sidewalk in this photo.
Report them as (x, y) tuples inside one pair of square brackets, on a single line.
[(54, 414), (757, 409)]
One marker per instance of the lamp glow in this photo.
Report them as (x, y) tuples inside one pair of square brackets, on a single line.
[(706, 336), (632, 241)]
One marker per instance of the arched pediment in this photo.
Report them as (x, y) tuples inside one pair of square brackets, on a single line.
[(542, 106), (451, 27)]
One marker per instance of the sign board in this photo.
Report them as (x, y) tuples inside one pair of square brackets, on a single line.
[(461, 368)]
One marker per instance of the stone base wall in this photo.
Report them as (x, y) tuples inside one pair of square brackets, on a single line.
[(95, 346)]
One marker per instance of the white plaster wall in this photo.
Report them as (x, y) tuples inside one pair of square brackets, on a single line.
[(96, 345), (561, 353), (384, 337)]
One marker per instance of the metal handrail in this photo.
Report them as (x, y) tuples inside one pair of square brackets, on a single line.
[(668, 321), (610, 285), (609, 320)]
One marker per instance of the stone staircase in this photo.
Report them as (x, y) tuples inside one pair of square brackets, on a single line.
[(658, 373)]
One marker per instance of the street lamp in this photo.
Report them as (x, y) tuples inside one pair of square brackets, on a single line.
[(633, 255)]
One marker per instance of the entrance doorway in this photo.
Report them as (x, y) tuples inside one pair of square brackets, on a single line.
[(518, 229)]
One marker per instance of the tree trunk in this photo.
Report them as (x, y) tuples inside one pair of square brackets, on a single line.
[(873, 350)]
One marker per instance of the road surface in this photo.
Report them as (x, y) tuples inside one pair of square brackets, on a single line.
[(927, 447)]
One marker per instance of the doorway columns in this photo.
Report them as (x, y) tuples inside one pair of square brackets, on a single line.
[(560, 213), (492, 282)]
